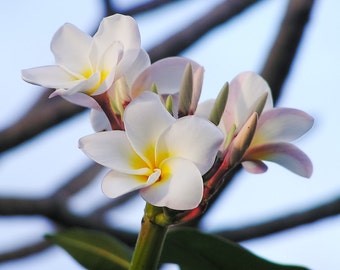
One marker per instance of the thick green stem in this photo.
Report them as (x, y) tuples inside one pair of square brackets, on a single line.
[(150, 240)]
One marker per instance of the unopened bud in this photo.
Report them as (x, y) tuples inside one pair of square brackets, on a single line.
[(219, 106), (185, 93), (242, 140)]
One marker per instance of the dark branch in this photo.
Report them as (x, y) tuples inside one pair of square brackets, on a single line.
[(44, 114), (78, 182), (24, 251), (147, 6), (58, 212), (293, 220), (284, 49), (189, 35)]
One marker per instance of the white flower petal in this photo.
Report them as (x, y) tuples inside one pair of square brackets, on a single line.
[(99, 121), (142, 62), (166, 73), (281, 124), (145, 118), (192, 138), (116, 184), (87, 86), (244, 90), (107, 67), (180, 186), (123, 29), (113, 150), (284, 154), (70, 47), (49, 76), (80, 99), (204, 108)]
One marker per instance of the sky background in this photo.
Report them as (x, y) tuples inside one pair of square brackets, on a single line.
[(38, 167)]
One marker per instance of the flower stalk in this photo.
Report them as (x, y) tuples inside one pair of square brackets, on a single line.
[(150, 240), (104, 102)]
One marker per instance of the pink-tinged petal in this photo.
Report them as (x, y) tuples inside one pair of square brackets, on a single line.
[(255, 166), (167, 74), (50, 77), (99, 121), (204, 108), (122, 29), (116, 184), (71, 47), (113, 150), (284, 154), (192, 138), (282, 124), (145, 118), (180, 186), (244, 91)]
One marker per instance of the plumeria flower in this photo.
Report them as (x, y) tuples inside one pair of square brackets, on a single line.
[(249, 93), (159, 155), (87, 66)]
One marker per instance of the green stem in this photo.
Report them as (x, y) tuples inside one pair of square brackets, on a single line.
[(150, 239)]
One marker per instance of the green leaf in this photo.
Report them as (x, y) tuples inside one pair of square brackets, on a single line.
[(193, 250), (93, 250)]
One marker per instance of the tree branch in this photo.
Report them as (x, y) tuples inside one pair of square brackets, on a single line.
[(78, 182), (189, 35), (24, 251), (44, 114), (327, 209), (284, 49), (147, 6)]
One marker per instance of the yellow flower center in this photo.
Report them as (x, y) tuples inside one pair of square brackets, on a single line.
[(87, 73)]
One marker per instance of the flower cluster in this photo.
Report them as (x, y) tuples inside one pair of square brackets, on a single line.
[(151, 131)]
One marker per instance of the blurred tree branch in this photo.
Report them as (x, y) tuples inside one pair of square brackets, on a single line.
[(180, 41), (264, 228), (282, 54)]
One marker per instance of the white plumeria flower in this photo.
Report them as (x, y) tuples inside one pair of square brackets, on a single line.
[(161, 156), (276, 127), (87, 66)]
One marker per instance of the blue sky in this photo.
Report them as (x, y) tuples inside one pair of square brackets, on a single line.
[(40, 165)]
